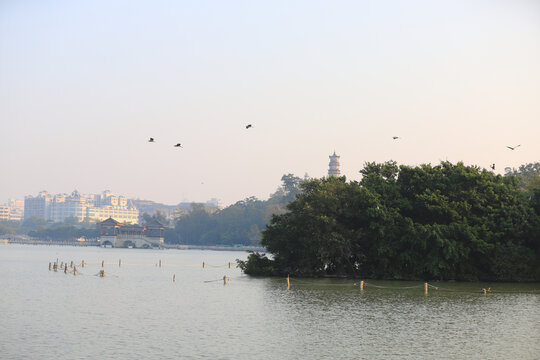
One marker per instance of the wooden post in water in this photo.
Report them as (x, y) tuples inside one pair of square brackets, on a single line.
[(55, 267), (102, 273), (224, 279), (71, 265), (119, 262), (426, 287), (362, 285), (174, 278), (50, 266), (65, 269), (203, 264), (61, 264), (82, 264), (229, 265), (74, 270), (159, 263), (288, 282), (102, 263)]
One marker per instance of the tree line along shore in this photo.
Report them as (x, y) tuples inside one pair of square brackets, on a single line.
[(448, 222), (444, 222)]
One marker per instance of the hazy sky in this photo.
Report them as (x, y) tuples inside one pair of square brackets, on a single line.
[(84, 84)]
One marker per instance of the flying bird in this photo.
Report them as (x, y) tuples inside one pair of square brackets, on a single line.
[(151, 140), (513, 147), (492, 166), (395, 137), (178, 145), (248, 126)]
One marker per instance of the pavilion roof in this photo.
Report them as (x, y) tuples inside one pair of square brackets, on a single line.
[(109, 221), (154, 223)]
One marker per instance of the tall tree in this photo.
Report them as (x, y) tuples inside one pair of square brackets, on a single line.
[(448, 221)]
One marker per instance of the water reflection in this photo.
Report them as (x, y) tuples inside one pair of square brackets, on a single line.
[(136, 311), (340, 321)]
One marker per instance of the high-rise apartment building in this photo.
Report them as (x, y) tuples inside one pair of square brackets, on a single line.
[(83, 207), (64, 206), (37, 206), (16, 208), (13, 210), (4, 212)]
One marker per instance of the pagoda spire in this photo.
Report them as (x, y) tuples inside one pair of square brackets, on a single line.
[(334, 166)]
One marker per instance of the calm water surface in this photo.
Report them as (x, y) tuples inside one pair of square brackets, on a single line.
[(137, 312)]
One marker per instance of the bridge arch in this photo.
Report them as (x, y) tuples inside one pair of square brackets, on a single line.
[(129, 244), (107, 243)]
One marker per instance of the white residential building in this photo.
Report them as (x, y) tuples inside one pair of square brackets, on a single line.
[(92, 207)]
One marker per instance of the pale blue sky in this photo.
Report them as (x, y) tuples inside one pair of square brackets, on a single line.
[(83, 84)]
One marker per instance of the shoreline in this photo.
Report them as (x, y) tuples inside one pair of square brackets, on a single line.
[(4, 241)]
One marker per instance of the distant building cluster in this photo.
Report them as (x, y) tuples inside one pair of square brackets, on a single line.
[(13, 210), (95, 207), (215, 202), (99, 207)]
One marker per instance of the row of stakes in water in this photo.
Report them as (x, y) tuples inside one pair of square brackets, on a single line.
[(54, 266)]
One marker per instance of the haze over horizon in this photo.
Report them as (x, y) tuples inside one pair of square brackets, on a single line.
[(83, 85)]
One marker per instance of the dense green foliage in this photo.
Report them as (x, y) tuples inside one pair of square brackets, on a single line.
[(159, 216), (238, 224), (9, 227), (61, 231), (35, 227), (448, 222)]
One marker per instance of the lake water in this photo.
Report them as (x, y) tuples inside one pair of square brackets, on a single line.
[(137, 312)]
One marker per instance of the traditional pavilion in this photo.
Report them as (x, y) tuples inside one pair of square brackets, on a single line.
[(114, 234)]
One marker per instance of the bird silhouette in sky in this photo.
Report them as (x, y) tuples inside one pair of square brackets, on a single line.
[(248, 126), (395, 137), (151, 140), (178, 145), (492, 166), (513, 147)]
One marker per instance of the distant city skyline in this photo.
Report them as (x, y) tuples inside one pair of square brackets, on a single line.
[(84, 85), (93, 207), (87, 194)]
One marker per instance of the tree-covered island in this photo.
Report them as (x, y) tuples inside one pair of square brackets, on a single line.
[(444, 222)]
